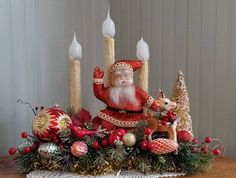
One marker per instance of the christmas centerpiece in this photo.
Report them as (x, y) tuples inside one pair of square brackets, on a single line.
[(135, 131)]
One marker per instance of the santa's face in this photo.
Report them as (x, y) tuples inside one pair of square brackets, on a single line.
[(122, 77)]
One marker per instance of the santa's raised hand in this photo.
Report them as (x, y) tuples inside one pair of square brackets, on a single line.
[(98, 73)]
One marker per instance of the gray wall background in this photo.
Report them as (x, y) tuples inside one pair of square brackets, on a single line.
[(196, 36)]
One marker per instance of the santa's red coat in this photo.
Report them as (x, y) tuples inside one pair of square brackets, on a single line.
[(123, 115)]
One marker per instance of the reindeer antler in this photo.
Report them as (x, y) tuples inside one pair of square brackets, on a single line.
[(158, 92), (162, 93)]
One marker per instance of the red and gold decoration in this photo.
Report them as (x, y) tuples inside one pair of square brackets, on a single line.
[(79, 149), (49, 122), (122, 135)]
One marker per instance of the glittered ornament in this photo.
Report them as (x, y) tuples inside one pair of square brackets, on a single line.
[(22, 145), (163, 146), (79, 149), (129, 139), (47, 150), (50, 122)]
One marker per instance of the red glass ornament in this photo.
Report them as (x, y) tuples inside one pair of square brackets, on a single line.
[(216, 152), (27, 150), (12, 151), (24, 135), (121, 132), (208, 140), (95, 145), (112, 138), (147, 131)]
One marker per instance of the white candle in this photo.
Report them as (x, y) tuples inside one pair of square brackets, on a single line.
[(108, 30), (142, 52), (75, 53)]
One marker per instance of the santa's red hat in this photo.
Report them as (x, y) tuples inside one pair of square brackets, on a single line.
[(128, 63)]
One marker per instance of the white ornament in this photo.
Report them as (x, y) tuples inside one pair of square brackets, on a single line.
[(75, 50), (142, 50), (108, 27), (129, 139)]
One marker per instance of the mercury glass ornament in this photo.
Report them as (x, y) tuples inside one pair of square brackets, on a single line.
[(47, 150)]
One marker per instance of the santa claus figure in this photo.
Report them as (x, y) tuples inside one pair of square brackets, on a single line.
[(124, 100)]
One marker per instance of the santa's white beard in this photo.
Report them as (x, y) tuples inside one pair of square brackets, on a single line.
[(123, 95)]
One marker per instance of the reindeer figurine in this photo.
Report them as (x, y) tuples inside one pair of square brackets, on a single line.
[(155, 123)]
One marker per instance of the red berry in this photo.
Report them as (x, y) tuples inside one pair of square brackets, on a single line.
[(27, 150), (121, 132), (148, 131), (194, 150), (150, 146), (216, 152), (144, 144), (208, 140), (24, 135), (12, 151), (104, 142), (195, 141), (183, 135), (95, 145), (163, 122), (112, 138), (204, 150)]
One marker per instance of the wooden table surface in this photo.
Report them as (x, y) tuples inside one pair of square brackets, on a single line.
[(221, 167)]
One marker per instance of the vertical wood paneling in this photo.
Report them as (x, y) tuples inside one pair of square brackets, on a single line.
[(7, 129), (199, 38), (125, 28), (134, 35), (168, 28), (232, 83), (222, 57), (180, 36), (20, 70), (207, 63), (155, 62), (193, 62), (31, 56)]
